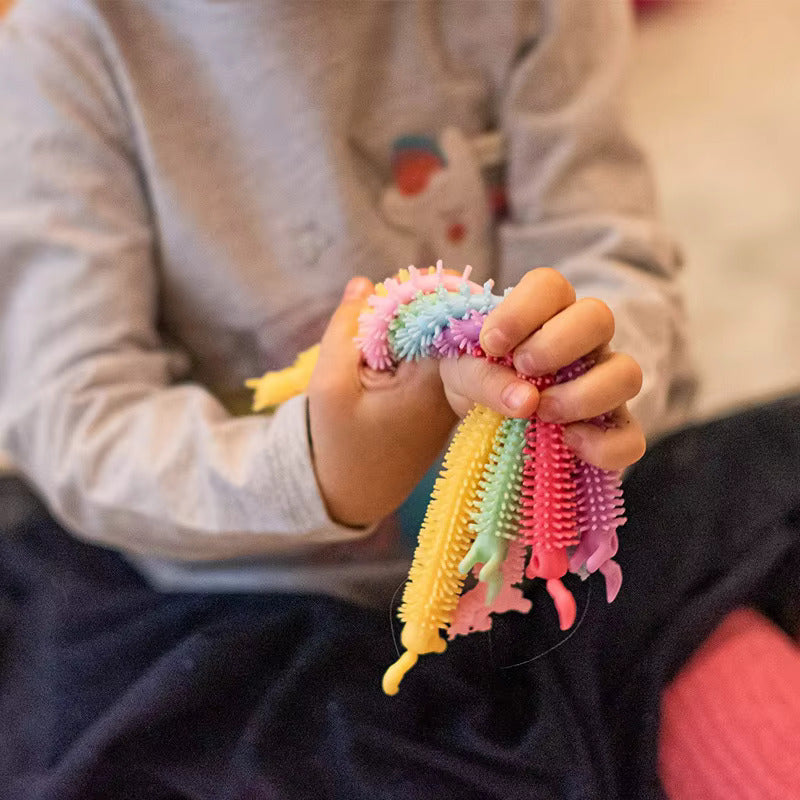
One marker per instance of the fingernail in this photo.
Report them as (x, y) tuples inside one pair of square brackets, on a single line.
[(549, 409), (356, 288), (496, 342), (524, 363), (516, 394)]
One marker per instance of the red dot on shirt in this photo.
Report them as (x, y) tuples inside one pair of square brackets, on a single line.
[(456, 232)]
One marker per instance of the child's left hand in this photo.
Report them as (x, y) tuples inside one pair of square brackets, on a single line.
[(547, 328)]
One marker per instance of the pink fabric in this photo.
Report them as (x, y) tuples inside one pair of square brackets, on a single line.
[(731, 718)]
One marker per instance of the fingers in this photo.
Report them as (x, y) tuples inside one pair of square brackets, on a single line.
[(612, 448), (582, 328), (540, 295), (606, 386), (474, 380), (604, 389), (339, 358)]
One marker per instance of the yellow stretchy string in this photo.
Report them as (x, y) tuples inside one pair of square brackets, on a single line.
[(434, 584), (274, 388)]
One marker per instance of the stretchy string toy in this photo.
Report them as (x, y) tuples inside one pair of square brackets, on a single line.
[(512, 501)]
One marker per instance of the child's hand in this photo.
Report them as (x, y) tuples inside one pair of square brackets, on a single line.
[(546, 328), (374, 434)]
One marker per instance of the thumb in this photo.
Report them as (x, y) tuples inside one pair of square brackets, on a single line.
[(338, 351)]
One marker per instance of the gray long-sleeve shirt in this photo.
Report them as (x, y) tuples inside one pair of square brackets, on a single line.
[(185, 187)]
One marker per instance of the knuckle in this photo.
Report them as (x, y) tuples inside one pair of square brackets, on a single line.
[(614, 449), (491, 378), (623, 457), (556, 283), (631, 446), (602, 317), (460, 373), (483, 369), (632, 373)]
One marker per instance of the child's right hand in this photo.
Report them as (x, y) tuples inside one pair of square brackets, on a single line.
[(374, 434)]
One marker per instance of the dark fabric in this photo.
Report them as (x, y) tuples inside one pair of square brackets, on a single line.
[(110, 690)]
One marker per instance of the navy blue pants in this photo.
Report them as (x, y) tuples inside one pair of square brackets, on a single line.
[(109, 689)]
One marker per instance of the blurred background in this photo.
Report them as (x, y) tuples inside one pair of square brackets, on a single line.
[(714, 98)]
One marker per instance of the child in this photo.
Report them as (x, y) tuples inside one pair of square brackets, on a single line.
[(184, 189), (187, 190)]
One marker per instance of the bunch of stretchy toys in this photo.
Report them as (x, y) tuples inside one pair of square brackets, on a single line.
[(511, 501)]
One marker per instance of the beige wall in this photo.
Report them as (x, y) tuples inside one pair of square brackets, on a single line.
[(715, 100)]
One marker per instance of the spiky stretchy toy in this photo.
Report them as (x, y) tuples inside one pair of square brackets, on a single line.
[(510, 491)]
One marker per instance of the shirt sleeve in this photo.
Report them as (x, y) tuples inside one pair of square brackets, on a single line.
[(581, 197), (93, 408)]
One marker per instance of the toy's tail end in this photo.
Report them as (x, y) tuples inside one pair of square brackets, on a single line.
[(395, 673), (564, 603)]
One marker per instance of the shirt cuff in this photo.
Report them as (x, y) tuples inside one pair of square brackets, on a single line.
[(295, 486)]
